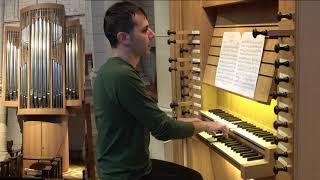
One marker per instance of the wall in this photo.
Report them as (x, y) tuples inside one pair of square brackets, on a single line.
[(307, 147)]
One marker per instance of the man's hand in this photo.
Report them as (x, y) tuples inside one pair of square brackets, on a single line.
[(212, 127), (209, 126)]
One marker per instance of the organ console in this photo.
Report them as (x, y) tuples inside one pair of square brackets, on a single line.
[(257, 142), (247, 148)]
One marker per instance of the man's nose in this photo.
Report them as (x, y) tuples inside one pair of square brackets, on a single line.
[(151, 34)]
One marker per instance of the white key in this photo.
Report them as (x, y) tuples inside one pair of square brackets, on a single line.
[(251, 136)]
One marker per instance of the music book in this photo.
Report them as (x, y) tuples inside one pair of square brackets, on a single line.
[(239, 62)]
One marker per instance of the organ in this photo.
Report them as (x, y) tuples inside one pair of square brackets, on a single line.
[(43, 76), (263, 128)]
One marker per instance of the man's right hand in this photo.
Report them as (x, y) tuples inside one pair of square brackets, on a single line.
[(213, 127), (210, 127)]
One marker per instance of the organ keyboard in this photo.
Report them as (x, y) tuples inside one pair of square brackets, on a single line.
[(249, 148)]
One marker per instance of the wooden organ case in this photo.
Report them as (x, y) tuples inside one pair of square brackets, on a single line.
[(261, 143), (43, 75)]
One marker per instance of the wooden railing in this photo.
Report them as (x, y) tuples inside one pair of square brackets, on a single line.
[(11, 167)]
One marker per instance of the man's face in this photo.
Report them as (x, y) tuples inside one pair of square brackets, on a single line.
[(141, 36)]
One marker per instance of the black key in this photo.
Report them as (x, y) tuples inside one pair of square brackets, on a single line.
[(261, 132), (268, 137), (239, 147), (251, 151), (250, 155), (243, 150), (215, 110), (255, 158), (264, 136)]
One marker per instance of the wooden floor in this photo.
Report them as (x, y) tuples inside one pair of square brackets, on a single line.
[(74, 172)]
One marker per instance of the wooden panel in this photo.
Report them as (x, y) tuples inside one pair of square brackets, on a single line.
[(211, 3), (218, 31), (43, 111), (178, 155), (175, 24), (287, 70), (267, 70), (215, 51), (209, 74), (43, 139), (216, 41), (32, 138), (55, 140), (263, 88), (289, 55), (199, 158), (286, 7), (269, 57), (190, 21), (206, 30), (257, 12), (213, 60), (222, 169)]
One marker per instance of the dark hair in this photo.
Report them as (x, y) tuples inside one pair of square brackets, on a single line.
[(119, 18)]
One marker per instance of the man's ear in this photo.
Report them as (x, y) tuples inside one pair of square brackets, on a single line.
[(123, 38)]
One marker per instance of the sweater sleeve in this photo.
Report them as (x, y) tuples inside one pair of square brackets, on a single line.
[(132, 96)]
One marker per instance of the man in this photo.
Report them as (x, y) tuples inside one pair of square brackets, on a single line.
[(125, 115)]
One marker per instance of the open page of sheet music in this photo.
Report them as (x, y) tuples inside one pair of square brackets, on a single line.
[(239, 62), (228, 60)]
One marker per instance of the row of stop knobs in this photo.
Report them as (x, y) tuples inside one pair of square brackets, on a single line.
[(283, 94)]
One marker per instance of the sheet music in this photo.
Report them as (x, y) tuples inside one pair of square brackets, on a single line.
[(227, 60), (239, 62), (248, 64)]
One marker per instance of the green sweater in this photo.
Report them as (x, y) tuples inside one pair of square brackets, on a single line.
[(125, 116)]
